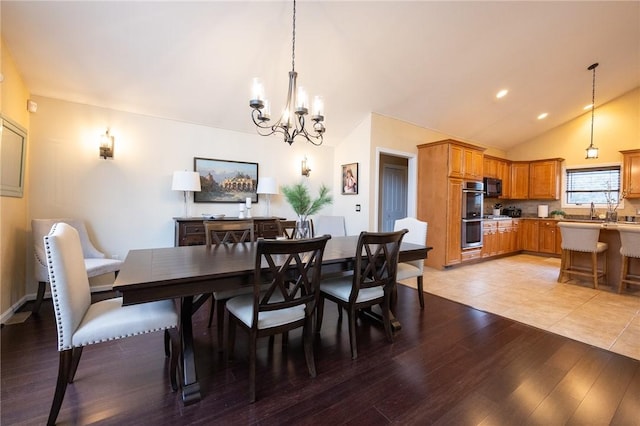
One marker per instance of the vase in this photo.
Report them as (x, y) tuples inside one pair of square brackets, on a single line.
[(303, 228), (612, 216)]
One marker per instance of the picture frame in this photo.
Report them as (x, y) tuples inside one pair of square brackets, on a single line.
[(350, 179), (13, 147), (225, 181)]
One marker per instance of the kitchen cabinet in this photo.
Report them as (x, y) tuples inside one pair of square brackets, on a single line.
[(516, 235), (544, 179), (631, 173), (519, 180), (465, 161), (442, 167), (454, 225), (490, 167), (504, 173), (547, 236), (489, 238), (529, 234)]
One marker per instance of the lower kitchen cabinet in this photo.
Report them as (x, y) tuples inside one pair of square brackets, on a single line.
[(529, 234), (500, 237), (541, 236)]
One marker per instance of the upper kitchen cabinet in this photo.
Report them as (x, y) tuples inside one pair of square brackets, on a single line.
[(465, 160), (631, 173), (544, 179), (519, 180), (498, 168)]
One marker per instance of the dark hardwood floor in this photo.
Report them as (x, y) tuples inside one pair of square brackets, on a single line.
[(450, 365)]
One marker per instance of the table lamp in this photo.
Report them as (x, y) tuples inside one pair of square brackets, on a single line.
[(186, 181), (267, 186)]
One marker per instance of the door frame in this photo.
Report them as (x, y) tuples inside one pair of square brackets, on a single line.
[(412, 182)]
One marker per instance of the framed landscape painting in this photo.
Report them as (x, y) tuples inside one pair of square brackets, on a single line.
[(225, 181), (350, 179)]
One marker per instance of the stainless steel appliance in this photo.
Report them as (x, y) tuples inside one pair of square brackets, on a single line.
[(492, 187), (472, 198)]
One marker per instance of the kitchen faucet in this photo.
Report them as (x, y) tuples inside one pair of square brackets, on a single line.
[(593, 211)]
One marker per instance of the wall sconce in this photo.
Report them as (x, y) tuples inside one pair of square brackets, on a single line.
[(306, 171), (106, 145)]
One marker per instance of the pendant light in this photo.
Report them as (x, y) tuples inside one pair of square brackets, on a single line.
[(592, 151)]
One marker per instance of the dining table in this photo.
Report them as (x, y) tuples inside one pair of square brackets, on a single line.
[(186, 273)]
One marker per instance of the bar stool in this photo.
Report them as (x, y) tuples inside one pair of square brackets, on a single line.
[(582, 237), (629, 247)]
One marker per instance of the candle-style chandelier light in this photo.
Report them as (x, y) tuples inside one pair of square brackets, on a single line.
[(291, 123)]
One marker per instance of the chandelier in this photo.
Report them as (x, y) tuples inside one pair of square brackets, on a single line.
[(291, 123), (592, 151)]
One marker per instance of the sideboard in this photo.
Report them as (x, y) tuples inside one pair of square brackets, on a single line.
[(189, 231)]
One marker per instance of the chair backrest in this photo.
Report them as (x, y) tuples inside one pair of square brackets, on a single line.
[(69, 282), (290, 271), (629, 240), (579, 236), (417, 235), (225, 232), (331, 225), (41, 227), (288, 228), (378, 263)]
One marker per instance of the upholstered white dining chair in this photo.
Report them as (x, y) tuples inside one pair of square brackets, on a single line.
[(80, 323), (372, 282), (417, 235), (285, 293), (95, 262), (330, 225), (582, 237)]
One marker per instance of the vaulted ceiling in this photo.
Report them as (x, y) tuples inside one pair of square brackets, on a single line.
[(435, 64)]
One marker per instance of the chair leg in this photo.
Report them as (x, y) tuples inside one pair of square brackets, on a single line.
[(220, 318), (421, 292), (386, 316), (563, 260), (231, 337), (307, 333), (252, 366), (351, 314), (623, 272), (319, 313), (39, 297), (213, 305), (167, 344), (76, 353), (594, 266), (64, 367), (174, 337)]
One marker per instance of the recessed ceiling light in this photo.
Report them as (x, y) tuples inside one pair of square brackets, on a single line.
[(587, 107), (502, 93), (543, 116)]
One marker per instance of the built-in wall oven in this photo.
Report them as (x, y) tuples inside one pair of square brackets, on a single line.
[(472, 198)]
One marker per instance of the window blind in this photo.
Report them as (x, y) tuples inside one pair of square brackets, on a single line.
[(593, 185)]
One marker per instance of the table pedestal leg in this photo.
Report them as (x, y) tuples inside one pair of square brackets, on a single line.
[(190, 385)]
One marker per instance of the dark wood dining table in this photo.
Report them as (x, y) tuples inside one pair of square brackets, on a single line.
[(187, 272)]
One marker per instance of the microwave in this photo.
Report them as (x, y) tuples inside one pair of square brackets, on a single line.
[(492, 187)]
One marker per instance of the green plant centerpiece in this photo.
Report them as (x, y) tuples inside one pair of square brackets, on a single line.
[(297, 195), (558, 214)]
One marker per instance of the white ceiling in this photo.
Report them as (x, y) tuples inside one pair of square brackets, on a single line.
[(435, 64)]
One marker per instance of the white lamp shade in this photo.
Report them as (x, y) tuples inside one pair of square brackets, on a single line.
[(186, 181), (267, 185)]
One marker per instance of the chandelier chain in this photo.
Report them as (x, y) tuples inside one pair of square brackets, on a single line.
[(593, 99), (293, 41)]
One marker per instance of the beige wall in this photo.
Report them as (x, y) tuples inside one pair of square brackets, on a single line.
[(13, 211), (616, 127)]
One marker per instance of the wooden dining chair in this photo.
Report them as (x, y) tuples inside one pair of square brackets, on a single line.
[(415, 268), (287, 228), (81, 323), (285, 293), (372, 282), (226, 232)]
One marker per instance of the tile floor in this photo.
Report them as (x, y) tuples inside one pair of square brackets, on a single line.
[(524, 288)]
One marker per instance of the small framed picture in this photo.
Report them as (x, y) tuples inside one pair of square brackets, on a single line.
[(350, 179), (225, 181)]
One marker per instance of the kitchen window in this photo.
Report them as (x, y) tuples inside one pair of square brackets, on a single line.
[(591, 185)]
